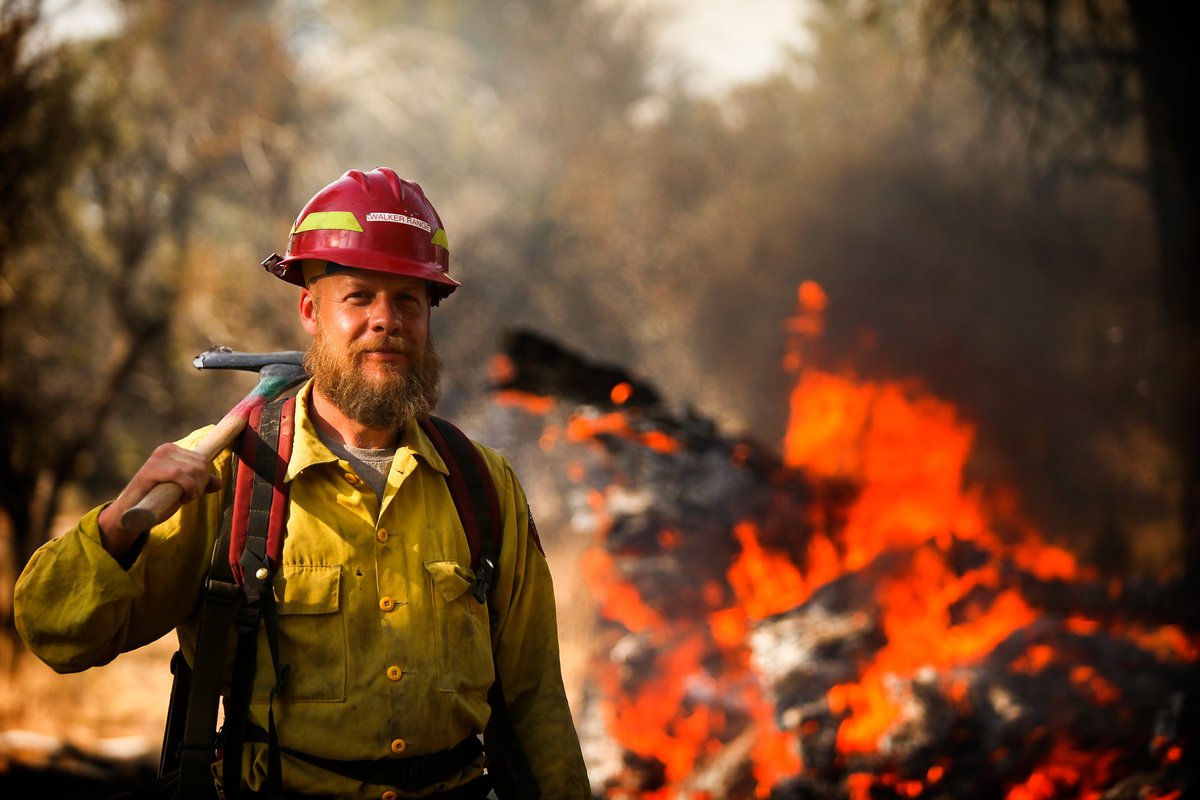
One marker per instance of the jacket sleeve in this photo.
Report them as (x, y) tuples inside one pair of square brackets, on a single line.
[(525, 644), (77, 607)]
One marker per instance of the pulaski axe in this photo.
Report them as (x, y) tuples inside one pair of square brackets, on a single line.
[(277, 372)]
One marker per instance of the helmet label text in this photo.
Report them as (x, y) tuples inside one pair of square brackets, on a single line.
[(403, 219)]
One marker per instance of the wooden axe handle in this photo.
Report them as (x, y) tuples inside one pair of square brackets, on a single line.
[(152, 509), (273, 381)]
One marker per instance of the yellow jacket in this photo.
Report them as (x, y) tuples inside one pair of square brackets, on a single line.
[(390, 655)]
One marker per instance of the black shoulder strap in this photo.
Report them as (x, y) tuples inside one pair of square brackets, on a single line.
[(197, 750), (219, 608), (256, 543), (475, 499), (478, 505), (236, 588)]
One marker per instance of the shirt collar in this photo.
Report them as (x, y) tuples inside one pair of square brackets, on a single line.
[(308, 449)]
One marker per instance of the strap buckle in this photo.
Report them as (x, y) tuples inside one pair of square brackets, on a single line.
[(271, 265), (223, 592), (483, 580)]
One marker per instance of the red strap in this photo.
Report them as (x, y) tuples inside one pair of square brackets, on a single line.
[(277, 527), (457, 486), (277, 524), (241, 496)]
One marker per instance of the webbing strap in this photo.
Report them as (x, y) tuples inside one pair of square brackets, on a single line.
[(507, 763), (475, 499), (409, 774), (220, 603), (474, 494), (258, 528), (236, 704), (232, 579), (274, 760), (260, 498)]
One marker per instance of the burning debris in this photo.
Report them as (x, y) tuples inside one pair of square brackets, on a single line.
[(849, 620)]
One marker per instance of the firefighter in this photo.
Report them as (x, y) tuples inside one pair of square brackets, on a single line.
[(389, 657)]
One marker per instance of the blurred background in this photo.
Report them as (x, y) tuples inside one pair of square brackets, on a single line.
[(997, 198)]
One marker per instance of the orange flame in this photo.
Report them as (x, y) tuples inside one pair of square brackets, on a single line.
[(808, 322), (617, 599), (621, 393), (764, 583), (581, 429), (533, 403), (655, 722), (905, 453), (1067, 769)]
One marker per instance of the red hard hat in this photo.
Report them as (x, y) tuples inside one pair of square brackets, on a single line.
[(370, 220)]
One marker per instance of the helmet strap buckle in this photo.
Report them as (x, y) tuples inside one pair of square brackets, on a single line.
[(271, 265)]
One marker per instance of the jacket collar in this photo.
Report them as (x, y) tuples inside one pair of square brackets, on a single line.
[(308, 449)]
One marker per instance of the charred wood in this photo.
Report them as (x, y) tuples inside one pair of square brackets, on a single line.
[(1090, 691)]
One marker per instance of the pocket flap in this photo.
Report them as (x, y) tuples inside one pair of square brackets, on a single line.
[(307, 589), (451, 579)]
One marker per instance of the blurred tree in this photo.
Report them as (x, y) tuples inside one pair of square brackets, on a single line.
[(182, 107), (39, 138), (490, 106), (1095, 71)]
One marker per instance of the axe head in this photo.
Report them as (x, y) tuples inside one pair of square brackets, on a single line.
[(275, 379), (224, 358)]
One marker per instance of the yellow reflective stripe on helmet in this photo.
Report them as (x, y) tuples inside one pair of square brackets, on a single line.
[(440, 238), (329, 221)]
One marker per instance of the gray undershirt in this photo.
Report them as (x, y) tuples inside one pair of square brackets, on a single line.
[(371, 465)]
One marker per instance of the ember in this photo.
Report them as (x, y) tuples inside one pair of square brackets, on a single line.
[(851, 620)]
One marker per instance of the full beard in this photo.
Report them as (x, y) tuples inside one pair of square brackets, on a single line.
[(386, 403)]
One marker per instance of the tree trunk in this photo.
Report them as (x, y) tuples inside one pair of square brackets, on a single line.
[(1168, 63)]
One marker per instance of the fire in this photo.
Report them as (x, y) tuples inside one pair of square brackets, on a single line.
[(940, 554), (659, 722), (907, 450), (582, 428), (617, 600), (920, 635), (1067, 771), (764, 583), (621, 393), (534, 404)]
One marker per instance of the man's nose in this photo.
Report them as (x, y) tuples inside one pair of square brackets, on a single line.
[(386, 316)]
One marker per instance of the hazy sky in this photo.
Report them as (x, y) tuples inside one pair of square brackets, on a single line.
[(729, 41), (721, 42)]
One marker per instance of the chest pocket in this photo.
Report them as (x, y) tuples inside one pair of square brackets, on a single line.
[(462, 639), (312, 636)]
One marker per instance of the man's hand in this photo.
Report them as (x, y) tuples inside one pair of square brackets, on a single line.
[(169, 463)]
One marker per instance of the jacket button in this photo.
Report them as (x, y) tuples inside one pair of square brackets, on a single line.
[(389, 795), (394, 673), (387, 603), (352, 479), (381, 534), (398, 746)]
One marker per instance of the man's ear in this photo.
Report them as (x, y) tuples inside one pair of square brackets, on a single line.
[(308, 310)]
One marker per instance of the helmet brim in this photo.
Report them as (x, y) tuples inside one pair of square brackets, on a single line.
[(373, 261)]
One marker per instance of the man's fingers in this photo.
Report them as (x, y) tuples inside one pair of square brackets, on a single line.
[(170, 463)]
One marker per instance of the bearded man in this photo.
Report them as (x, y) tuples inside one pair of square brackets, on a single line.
[(390, 655)]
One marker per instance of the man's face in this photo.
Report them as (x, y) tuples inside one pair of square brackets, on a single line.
[(371, 354)]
